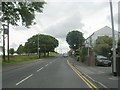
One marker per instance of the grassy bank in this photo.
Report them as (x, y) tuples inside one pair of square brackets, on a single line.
[(53, 54), (20, 58), (24, 58)]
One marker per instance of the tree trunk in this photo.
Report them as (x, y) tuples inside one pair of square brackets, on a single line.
[(44, 54), (47, 53)]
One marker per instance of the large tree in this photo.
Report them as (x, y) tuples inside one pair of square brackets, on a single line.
[(20, 49), (11, 51), (47, 44), (75, 39), (103, 45), (21, 11)]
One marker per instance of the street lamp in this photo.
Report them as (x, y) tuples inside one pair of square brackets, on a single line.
[(5, 31), (114, 70), (38, 47)]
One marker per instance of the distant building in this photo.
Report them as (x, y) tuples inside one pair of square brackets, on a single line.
[(105, 31)]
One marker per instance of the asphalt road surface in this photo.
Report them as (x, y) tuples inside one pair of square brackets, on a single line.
[(53, 72)]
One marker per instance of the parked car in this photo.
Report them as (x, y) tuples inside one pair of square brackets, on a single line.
[(101, 60)]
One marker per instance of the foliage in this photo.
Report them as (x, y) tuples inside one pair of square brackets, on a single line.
[(20, 49), (46, 44), (11, 51), (81, 54), (21, 58), (103, 45), (75, 39), (17, 11)]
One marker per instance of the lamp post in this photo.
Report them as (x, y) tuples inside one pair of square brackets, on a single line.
[(8, 39), (3, 45), (38, 47), (6, 31), (114, 70)]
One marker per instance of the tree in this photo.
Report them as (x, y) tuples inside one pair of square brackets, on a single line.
[(47, 44), (17, 12), (75, 39), (103, 45), (24, 11), (11, 51), (20, 49)]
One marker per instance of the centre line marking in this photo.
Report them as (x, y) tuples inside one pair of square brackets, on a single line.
[(46, 65), (24, 79), (39, 69)]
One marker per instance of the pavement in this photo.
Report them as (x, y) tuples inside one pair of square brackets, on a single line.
[(99, 74)]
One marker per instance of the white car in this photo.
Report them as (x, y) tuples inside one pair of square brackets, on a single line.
[(65, 55)]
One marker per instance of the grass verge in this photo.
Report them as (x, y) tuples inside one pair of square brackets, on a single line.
[(20, 58), (24, 58)]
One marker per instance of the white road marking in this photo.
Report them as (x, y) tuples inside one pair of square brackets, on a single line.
[(113, 78), (46, 65), (39, 69), (102, 85), (24, 79), (89, 77), (95, 81)]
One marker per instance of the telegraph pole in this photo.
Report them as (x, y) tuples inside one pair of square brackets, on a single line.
[(38, 47), (3, 45), (114, 71), (8, 39), (39, 54)]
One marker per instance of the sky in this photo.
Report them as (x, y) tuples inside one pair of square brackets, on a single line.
[(62, 16)]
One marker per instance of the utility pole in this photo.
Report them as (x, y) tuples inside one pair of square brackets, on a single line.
[(6, 31), (3, 45), (8, 39), (38, 47), (114, 70)]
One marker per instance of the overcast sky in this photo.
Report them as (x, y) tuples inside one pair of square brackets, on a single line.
[(62, 16)]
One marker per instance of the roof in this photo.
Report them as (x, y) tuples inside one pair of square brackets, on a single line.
[(104, 31)]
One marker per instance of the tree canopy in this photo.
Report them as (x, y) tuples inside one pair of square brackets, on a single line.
[(75, 39), (21, 11), (11, 51), (47, 43), (103, 45), (20, 49)]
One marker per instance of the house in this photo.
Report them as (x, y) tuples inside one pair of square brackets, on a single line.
[(105, 31)]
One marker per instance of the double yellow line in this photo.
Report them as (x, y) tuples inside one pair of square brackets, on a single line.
[(90, 84)]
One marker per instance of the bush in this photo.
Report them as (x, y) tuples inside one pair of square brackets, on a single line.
[(83, 54), (78, 58)]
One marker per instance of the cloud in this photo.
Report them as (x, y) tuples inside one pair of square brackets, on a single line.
[(60, 29), (60, 17), (13, 45), (116, 18)]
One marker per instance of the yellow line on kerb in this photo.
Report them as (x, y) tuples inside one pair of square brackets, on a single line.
[(90, 84)]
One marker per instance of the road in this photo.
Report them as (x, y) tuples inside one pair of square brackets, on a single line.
[(53, 72), (99, 74)]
